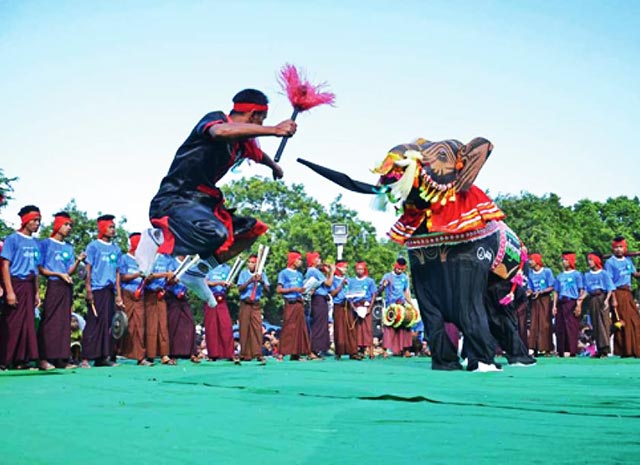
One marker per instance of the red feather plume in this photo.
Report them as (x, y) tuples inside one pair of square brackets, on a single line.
[(302, 94)]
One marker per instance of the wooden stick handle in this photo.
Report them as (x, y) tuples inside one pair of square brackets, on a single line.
[(284, 140)]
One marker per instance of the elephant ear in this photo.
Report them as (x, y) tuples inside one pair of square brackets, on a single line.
[(472, 157)]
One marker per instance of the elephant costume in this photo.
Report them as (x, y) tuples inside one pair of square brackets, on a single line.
[(465, 262)]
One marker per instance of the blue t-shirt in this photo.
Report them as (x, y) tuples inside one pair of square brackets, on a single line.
[(323, 290), (219, 273), (57, 256), (128, 265), (568, 284), (103, 258), (162, 264), (289, 278), (340, 297), (23, 253), (620, 270), (540, 280), (394, 292), (598, 281), (361, 289), (246, 275)]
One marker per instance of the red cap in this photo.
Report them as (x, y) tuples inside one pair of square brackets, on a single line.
[(537, 258), (24, 219), (363, 264), (59, 220), (596, 260), (292, 257), (134, 240), (571, 258), (312, 257), (619, 241)]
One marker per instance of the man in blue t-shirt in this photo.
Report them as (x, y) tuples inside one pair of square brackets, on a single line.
[(189, 207), (323, 277), (218, 327), (20, 260), (132, 345), (294, 337), (361, 296), (626, 341), (251, 286), (102, 293), (396, 291), (567, 306), (58, 265), (540, 281), (599, 287)]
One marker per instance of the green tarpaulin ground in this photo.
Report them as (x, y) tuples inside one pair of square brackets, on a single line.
[(391, 411)]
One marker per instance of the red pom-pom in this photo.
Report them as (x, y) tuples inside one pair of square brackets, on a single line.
[(302, 94)]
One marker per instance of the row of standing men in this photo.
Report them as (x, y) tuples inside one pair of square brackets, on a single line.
[(605, 291), (160, 319)]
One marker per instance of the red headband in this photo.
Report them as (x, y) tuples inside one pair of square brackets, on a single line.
[(58, 222), (338, 266), (571, 258), (595, 259), (364, 264), (398, 266), (292, 257), (311, 258), (134, 241), (247, 107), (103, 226), (24, 219), (537, 258), (622, 242)]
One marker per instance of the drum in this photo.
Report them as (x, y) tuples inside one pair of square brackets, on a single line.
[(393, 315), (119, 325), (401, 316), (411, 316)]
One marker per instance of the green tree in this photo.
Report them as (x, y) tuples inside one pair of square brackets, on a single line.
[(548, 227), (297, 221), (5, 196)]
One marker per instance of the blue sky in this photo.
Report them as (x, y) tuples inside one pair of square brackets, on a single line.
[(96, 96)]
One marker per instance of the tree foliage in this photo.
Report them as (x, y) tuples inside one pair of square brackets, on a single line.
[(299, 222), (548, 227), (5, 196)]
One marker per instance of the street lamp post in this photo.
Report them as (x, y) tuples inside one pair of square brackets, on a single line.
[(339, 233)]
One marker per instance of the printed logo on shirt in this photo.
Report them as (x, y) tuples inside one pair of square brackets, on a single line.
[(31, 252), (109, 257)]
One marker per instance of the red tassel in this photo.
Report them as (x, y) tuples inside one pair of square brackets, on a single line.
[(303, 95)]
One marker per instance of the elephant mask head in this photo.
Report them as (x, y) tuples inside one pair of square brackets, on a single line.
[(427, 171)]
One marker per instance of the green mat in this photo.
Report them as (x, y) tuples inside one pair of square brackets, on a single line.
[(392, 411)]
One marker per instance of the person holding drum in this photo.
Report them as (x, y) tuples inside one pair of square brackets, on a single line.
[(395, 284)]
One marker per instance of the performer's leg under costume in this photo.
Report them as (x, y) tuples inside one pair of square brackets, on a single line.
[(203, 227), (503, 324)]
